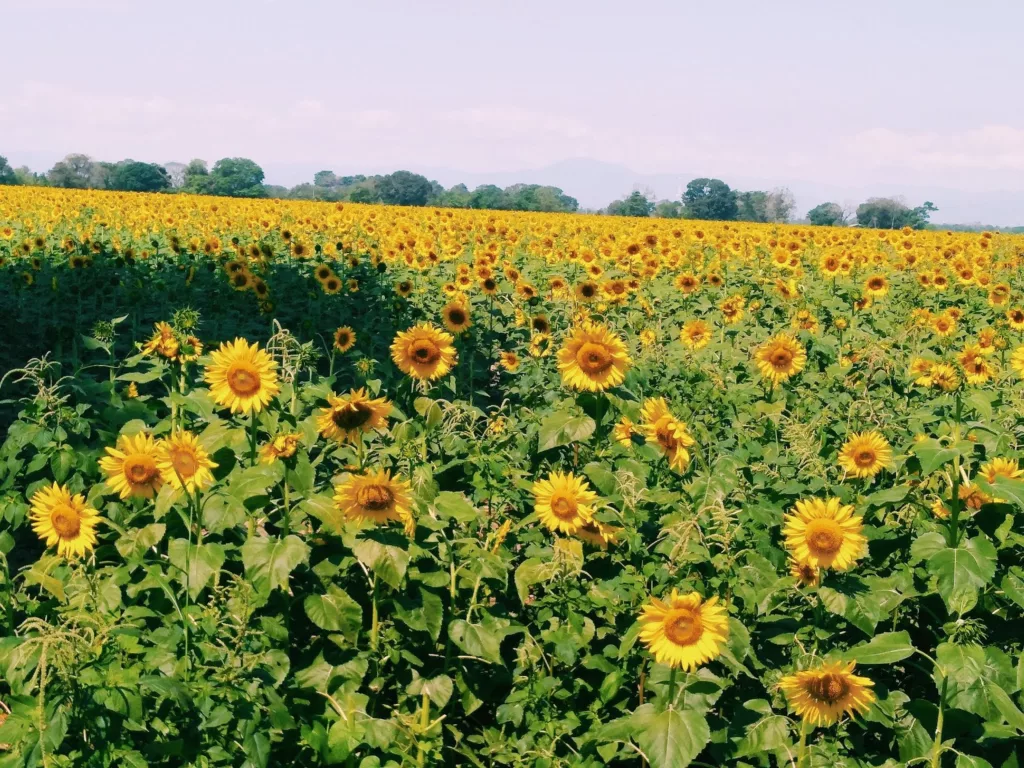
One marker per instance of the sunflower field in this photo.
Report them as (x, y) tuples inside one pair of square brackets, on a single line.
[(298, 484)]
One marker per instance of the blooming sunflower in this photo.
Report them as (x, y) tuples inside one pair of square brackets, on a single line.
[(997, 468), (806, 574), (685, 631), (241, 376), (623, 432), (780, 357), (825, 534), (1015, 319), (821, 696), (876, 286), (695, 335), (423, 352), (281, 447), (376, 497), (344, 339), (509, 361), (456, 317), (348, 416), (182, 461), (661, 427), (131, 467), (865, 454), (593, 359), (62, 518), (599, 534), (163, 342), (564, 502)]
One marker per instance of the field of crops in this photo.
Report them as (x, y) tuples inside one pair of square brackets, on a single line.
[(299, 484)]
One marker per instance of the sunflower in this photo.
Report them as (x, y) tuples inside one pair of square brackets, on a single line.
[(332, 285), (564, 502), (1015, 319), (943, 325), (780, 357), (685, 631), (163, 342), (865, 454), (661, 427), (348, 416), (876, 286), (456, 317), (241, 376), (593, 359), (807, 575), (322, 272), (375, 496), (821, 696), (695, 335), (598, 534), (623, 432), (509, 361), (943, 376), (132, 468), (62, 518), (344, 339), (183, 461), (997, 468), (281, 447), (977, 369), (825, 534), (404, 288), (489, 286), (423, 352), (587, 291)]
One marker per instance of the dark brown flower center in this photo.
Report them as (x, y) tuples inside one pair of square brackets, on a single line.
[(65, 521), (375, 498), (865, 457), (425, 351), (139, 469), (352, 415), (243, 379), (685, 627), (828, 688), (594, 358)]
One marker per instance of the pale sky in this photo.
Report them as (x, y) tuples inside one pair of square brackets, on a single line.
[(852, 93)]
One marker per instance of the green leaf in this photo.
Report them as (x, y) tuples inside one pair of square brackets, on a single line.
[(932, 455), (335, 612), (438, 688), (670, 739), (927, 545), (385, 554), (270, 561), (532, 571), (561, 428), (962, 571), (203, 562), (969, 761), (476, 640), (1004, 488), (455, 506), (885, 648), (134, 542), (1006, 707), (1013, 586)]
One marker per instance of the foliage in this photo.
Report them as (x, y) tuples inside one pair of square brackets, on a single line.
[(890, 213), (827, 215), (133, 176), (253, 623), (636, 204), (710, 199)]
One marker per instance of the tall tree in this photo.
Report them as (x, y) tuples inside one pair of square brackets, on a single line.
[(827, 215), (488, 196), (7, 174), (196, 177), (404, 188), (668, 209), (637, 204), (893, 213), (236, 177), (133, 176), (710, 199), (77, 171)]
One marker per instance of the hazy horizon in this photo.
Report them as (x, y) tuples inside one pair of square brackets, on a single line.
[(843, 99)]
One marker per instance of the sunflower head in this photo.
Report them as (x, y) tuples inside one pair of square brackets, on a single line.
[(455, 316), (825, 534), (823, 695), (423, 352), (281, 447), (131, 466), (374, 497), (242, 377), (593, 358), (344, 339), (780, 357), (865, 454), (564, 502), (64, 519), (685, 630), (348, 416)]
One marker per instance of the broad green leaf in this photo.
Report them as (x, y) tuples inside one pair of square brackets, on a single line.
[(962, 571), (135, 541), (885, 648), (932, 455), (476, 640), (671, 739), (196, 563), (385, 553), (335, 612), (270, 561), (455, 506), (561, 428)]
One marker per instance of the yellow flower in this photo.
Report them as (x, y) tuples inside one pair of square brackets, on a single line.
[(281, 447), (695, 335), (685, 631), (348, 416), (242, 377), (865, 454), (131, 467), (564, 502), (62, 518), (648, 337), (997, 468), (183, 461), (876, 286), (943, 376), (456, 317), (623, 432), (593, 359), (375, 497), (821, 696), (599, 534), (132, 391), (509, 361), (162, 342), (977, 369), (943, 325), (825, 534), (344, 339), (780, 357), (806, 574), (423, 352), (1015, 319), (661, 427)]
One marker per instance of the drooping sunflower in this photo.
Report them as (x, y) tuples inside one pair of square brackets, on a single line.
[(281, 447), (806, 574), (695, 335), (660, 426), (599, 534), (163, 342), (423, 352), (242, 377), (182, 461), (65, 519), (344, 339), (132, 468), (865, 454), (684, 631), (998, 467), (825, 534), (780, 357), (455, 316), (375, 497), (593, 359), (564, 502), (821, 696), (349, 416)]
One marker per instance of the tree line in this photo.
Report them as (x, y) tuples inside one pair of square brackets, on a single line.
[(703, 198)]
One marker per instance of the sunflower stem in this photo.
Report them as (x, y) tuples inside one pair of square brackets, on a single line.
[(374, 617), (937, 746), (801, 753), (672, 686), (954, 502), (252, 438)]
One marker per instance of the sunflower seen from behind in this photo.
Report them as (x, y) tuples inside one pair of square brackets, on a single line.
[(564, 503), (685, 630), (423, 352), (131, 466), (825, 534), (821, 696), (346, 417), (242, 377), (62, 519), (593, 359)]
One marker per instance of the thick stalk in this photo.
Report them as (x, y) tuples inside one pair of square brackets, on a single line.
[(937, 746), (801, 752)]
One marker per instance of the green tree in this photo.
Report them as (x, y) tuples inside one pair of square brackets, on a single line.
[(235, 177), (133, 176), (891, 213), (404, 188), (456, 197), (636, 204), (77, 171), (196, 177), (7, 174), (826, 215), (710, 199), (326, 179), (669, 209), (488, 196), (365, 193)]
